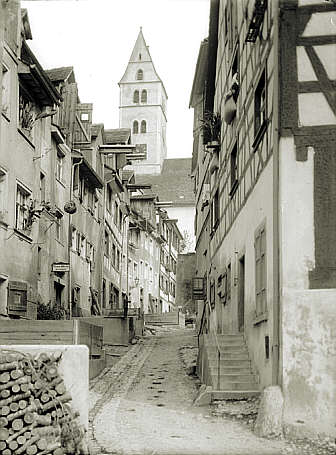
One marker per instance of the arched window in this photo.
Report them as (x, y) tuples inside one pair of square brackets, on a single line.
[(143, 126), (139, 75), (144, 96), (136, 96), (135, 127)]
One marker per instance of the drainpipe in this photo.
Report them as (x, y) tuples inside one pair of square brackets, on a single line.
[(72, 169), (276, 205)]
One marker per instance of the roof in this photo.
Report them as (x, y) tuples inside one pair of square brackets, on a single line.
[(59, 74), (117, 136), (200, 72), (95, 128), (174, 183)]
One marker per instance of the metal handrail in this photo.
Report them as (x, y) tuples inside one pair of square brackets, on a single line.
[(216, 341)]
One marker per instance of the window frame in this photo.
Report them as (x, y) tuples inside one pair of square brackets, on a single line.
[(143, 127), (144, 96), (260, 104), (20, 188), (136, 97), (260, 262)]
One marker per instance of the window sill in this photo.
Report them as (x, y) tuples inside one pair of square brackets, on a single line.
[(27, 138), (60, 182), (6, 116), (263, 317), (233, 188), (23, 235)]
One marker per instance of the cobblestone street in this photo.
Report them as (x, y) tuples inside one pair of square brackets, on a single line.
[(143, 405)]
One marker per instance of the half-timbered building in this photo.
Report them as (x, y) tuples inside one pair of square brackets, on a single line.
[(264, 142)]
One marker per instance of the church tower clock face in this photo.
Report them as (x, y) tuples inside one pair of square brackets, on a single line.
[(143, 108)]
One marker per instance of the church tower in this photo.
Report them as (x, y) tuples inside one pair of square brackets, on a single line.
[(143, 108)]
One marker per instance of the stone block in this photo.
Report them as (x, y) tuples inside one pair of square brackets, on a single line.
[(269, 419)]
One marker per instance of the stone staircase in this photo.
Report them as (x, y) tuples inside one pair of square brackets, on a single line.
[(235, 378)]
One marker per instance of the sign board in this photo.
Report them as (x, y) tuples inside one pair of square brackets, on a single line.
[(61, 267)]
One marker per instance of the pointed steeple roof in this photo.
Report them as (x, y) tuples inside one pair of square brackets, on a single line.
[(141, 54), (140, 51)]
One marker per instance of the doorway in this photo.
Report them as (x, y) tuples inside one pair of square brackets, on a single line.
[(241, 293)]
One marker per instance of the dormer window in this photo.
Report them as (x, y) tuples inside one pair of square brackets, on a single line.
[(135, 127), (139, 75), (144, 96), (136, 96), (143, 126)]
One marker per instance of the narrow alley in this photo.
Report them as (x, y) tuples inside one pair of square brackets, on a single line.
[(144, 405)]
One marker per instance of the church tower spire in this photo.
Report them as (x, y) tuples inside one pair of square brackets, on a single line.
[(143, 107)]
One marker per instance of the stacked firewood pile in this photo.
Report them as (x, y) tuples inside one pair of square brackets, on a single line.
[(35, 410)]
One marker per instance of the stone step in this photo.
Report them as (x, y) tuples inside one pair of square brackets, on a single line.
[(233, 370), (228, 377), (233, 394), (229, 385), (237, 355), (234, 363)]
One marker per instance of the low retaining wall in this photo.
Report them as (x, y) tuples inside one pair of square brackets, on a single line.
[(171, 318), (41, 332)]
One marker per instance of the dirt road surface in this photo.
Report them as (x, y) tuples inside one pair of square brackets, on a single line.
[(143, 405)]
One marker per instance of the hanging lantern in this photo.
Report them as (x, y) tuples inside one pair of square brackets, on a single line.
[(70, 207)]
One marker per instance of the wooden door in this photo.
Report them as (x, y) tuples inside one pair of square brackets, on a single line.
[(241, 293)]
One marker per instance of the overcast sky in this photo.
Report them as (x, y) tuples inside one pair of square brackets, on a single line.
[(96, 37)]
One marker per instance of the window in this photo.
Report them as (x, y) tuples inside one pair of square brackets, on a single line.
[(26, 112), (5, 91), (139, 75), (95, 206), (118, 260), (120, 220), (228, 283), (135, 127), (140, 56), (59, 229), (78, 242), (136, 96), (75, 180), (22, 201), (108, 198), (3, 194), (113, 255), (260, 104), (135, 270), (106, 244), (85, 116), (88, 250), (39, 260), (215, 210), (235, 76), (234, 169), (150, 274), (144, 96), (143, 126), (116, 213), (59, 165), (42, 188), (260, 270), (73, 238), (83, 246), (104, 294)]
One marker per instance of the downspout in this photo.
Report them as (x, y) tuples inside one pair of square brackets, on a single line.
[(276, 204), (69, 235)]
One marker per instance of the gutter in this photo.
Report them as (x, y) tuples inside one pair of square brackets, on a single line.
[(276, 205)]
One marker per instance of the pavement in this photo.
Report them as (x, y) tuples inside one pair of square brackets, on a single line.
[(143, 405)]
